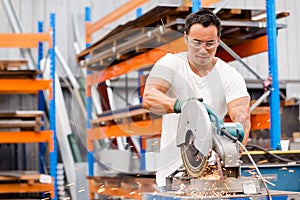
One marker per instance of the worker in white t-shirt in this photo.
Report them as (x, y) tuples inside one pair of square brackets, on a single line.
[(196, 73)]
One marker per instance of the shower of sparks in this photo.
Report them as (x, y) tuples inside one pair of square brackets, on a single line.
[(49, 192), (262, 162), (132, 193), (129, 131), (100, 190), (283, 168), (210, 185), (70, 184), (82, 189)]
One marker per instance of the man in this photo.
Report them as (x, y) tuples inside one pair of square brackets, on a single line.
[(195, 73)]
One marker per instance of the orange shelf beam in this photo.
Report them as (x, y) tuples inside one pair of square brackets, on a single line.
[(10, 137), (260, 121), (26, 188), (24, 86), (204, 2), (117, 13), (24, 40), (252, 47), (137, 62), (146, 128)]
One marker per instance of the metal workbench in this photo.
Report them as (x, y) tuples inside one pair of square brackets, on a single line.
[(282, 195)]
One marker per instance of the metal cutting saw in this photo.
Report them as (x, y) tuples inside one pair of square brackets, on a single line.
[(200, 133)]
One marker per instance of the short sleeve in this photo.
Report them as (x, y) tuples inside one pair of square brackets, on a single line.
[(162, 68), (235, 87)]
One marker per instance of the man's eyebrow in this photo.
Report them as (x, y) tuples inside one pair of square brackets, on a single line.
[(203, 41)]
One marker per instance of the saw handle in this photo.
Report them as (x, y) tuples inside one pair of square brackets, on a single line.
[(234, 131), (238, 137)]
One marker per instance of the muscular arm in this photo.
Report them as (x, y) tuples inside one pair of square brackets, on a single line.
[(239, 111), (155, 98)]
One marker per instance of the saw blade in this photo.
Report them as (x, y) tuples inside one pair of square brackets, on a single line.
[(194, 161), (194, 137)]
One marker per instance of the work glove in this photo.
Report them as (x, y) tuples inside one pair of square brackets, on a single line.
[(180, 102)]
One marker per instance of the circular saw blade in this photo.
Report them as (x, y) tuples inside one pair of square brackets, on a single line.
[(194, 137), (194, 161)]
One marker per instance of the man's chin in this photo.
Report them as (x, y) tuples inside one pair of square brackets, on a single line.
[(202, 62)]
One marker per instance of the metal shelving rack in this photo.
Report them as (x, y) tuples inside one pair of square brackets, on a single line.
[(32, 85), (259, 43)]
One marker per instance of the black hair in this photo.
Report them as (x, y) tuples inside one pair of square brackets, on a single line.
[(205, 17)]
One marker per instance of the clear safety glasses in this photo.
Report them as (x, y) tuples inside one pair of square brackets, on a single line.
[(197, 43)]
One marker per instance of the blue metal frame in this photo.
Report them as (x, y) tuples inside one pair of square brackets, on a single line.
[(52, 111), (196, 5), (139, 12), (41, 101), (279, 174), (273, 72), (170, 197), (90, 154), (140, 73)]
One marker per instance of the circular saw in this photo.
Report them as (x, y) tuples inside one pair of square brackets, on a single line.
[(200, 131)]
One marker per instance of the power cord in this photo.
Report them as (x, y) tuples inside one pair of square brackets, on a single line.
[(271, 154)]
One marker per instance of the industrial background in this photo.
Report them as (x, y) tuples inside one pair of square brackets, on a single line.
[(68, 95)]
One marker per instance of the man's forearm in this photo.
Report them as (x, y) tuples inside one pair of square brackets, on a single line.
[(244, 119), (239, 111), (158, 103)]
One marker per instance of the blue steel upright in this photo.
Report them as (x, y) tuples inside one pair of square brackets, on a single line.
[(52, 111), (139, 12), (196, 5), (90, 154), (273, 72), (41, 100)]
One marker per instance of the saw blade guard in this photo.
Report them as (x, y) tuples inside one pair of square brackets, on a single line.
[(194, 119), (194, 136)]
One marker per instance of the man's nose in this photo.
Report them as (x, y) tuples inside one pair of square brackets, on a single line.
[(202, 49)]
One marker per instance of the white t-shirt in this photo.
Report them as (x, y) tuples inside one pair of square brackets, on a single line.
[(220, 86)]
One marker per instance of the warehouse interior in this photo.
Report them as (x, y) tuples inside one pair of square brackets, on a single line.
[(72, 77)]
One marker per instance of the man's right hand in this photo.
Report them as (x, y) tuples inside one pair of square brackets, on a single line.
[(180, 102)]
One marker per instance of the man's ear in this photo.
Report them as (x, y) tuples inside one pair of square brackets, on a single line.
[(219, 40), (185, 38)]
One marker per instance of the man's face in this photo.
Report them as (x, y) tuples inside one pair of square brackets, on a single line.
[(202, 45)]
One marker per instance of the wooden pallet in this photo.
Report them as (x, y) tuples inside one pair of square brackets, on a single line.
[(19, 74), (12, 64), (11, 69), (29, 120), (125, 115), (16, 181)]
